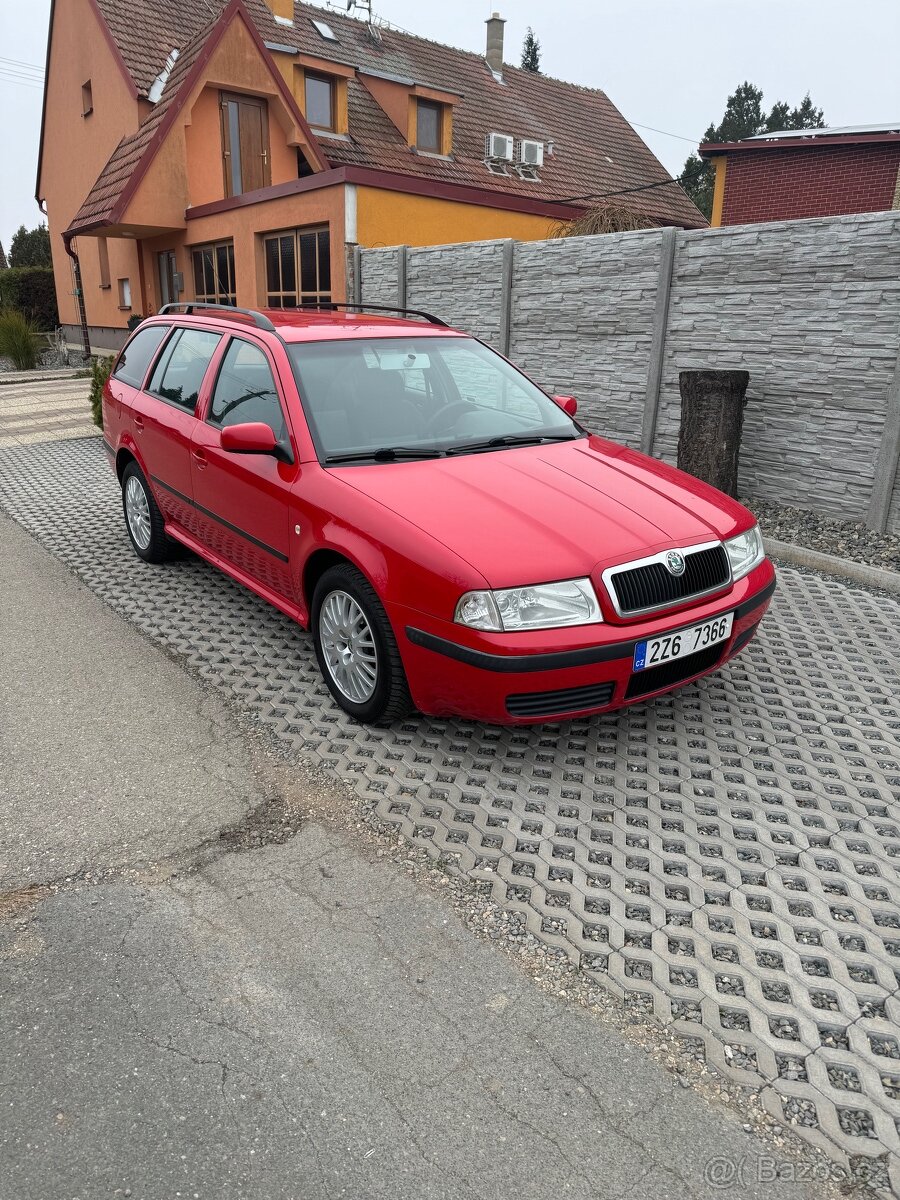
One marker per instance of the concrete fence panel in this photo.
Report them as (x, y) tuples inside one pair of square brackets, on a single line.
[(810, 308)]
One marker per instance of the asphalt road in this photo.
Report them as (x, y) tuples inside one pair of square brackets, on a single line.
[(186, 1015)]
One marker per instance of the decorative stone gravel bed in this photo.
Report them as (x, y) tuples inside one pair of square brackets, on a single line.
[(828, 535), (50, 360)]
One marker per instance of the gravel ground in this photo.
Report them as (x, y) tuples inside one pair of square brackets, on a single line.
[(50, 360), (828, 535)]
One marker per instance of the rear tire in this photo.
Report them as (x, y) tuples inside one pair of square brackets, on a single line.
[(356, 648), (143, 520)]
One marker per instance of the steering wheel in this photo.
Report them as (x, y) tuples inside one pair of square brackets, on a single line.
[(441, 420)]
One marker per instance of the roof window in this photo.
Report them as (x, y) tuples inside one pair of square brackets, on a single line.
[(324, 30)]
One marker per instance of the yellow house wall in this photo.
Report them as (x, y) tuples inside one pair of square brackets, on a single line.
[(386, 218), (718, 203)]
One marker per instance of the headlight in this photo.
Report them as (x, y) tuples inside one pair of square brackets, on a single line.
[(745, 552), (544, 606)]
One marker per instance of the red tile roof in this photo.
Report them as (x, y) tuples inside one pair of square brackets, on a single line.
[(595, 150)]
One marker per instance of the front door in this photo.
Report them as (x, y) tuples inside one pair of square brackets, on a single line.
[(243, 500), (168, 291)]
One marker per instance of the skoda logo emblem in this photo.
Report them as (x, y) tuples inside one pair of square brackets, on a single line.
[(675, 562)]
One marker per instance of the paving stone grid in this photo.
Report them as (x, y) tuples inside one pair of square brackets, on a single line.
[(725, 859)]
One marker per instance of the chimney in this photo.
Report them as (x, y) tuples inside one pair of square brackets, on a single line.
[(494, 52), (282, 11)]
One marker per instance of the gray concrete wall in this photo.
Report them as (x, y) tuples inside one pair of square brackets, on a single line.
[(810, 308)]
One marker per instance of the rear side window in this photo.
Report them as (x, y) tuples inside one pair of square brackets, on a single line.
[(178, 376), (135, 358), (245, 390)]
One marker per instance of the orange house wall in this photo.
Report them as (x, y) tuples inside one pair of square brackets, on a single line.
[(246, 226), (76, 149), (203, 148), (187, 170)]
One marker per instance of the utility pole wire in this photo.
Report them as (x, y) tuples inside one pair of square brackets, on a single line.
[(644, 187)]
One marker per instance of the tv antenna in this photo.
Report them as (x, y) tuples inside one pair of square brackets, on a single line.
[(365, 5)]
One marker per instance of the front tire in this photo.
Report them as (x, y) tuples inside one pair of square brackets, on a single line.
[(143, 520), (356, 648)]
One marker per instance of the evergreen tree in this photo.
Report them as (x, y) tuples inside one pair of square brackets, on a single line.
[(30, 248), (744, 117), (3, 262), (531, 53)]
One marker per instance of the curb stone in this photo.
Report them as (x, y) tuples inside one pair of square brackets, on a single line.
[(11, 377), (830, 564)]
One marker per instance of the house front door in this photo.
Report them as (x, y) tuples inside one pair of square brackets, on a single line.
[(168, 290)]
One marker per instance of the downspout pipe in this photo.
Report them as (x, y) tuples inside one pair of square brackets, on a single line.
[(79, 296)]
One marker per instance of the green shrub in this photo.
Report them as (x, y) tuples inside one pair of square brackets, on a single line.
[(133, 321), (100, 369), (33, 292), (18, 339)]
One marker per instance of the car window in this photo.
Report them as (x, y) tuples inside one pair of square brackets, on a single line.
[(478, 381), (435, 393), (245, 390), (178, 376), (135, 358)]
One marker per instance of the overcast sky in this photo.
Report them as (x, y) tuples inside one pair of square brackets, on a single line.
[(664, 63)]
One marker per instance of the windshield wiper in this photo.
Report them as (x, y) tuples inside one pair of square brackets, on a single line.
[(514, 439), (385, 454)]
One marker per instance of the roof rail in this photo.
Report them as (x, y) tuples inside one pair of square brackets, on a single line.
[(226, 310), (410, 312)]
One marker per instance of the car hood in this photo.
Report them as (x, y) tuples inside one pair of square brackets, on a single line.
[(559, 511)]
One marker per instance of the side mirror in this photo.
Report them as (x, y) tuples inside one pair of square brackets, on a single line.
[(568, 404), (253, 437)]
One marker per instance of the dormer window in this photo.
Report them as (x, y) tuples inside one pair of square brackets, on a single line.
[(429, 126), (320, 106)]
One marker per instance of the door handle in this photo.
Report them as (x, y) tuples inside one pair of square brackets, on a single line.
[(200, 459), (139, 424)]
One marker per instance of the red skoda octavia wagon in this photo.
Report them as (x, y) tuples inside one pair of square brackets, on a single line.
[(452, 537)]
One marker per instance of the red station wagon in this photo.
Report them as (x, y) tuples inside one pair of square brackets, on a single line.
[(453, 538)]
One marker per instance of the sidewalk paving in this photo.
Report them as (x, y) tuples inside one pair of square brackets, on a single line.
[(294, 1020), (52, 408)]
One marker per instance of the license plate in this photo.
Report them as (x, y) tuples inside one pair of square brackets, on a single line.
[(679, 645)]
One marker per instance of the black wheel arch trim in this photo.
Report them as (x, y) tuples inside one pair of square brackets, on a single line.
[(517, 664)]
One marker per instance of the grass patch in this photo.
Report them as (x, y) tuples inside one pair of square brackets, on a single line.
[(18, 339)]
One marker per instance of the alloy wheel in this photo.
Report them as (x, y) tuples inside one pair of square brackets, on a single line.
[(348, 646), (137, 512)]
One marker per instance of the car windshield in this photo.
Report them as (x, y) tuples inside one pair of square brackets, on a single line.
[(387, 399)]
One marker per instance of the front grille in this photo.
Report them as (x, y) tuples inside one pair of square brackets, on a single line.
[(546, 704), (653, 585), (670, 673)]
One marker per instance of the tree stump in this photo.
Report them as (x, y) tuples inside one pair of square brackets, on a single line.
[(712, 416)]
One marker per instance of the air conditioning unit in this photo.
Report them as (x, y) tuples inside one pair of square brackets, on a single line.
[(531, 154), (499, 146)]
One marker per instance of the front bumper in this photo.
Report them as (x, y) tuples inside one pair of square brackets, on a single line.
[(551, 674)]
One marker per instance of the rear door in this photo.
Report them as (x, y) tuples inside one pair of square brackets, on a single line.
[(126, 382), (244, 500), (164, 420)]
